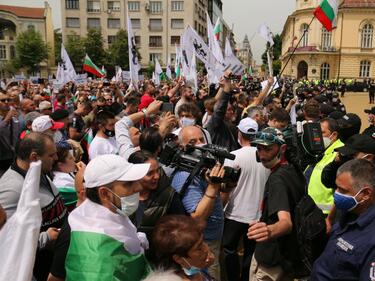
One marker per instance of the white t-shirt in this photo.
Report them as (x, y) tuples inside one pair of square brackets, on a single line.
[(244, 204), (100, 146)]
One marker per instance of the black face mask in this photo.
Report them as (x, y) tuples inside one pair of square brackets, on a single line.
[(109, 133)]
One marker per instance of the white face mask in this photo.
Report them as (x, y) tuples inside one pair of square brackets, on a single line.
[(327, 141), (129, 204), (187, 122)]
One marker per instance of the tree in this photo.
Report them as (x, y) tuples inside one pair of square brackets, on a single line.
[(58, 41), (276, 52), (118, 51), (94, 46), (31, 50), (75, 48)]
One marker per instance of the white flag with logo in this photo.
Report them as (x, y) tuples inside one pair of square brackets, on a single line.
[(66, 63), (133, 58), (265, 32), (233, 63)]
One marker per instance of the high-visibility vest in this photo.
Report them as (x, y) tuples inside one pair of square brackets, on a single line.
[(323, 196)]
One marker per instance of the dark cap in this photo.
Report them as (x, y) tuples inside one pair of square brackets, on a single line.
[(370, 111), (358, 143), (59, 114), (351, 120), (336, 115)]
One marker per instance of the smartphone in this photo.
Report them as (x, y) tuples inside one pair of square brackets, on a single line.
[(167, 107)]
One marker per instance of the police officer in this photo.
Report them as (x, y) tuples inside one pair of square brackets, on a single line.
[(350, 252)]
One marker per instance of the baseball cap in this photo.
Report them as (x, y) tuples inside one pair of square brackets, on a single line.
[(370, 111), (44, 122), (248, 126), (269, 136), (31, 116), (59, 114), (358, 143), (105, 169), (45, 105)]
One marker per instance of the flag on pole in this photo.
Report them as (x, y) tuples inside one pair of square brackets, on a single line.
[(19, 236), (66, 63), (326, 13), (90, 67), (158, 72), (233, 63), (168, 71), (191, 78), (134, 65), (104, 71), (265, 32), (270, 64), (251, 70), (217, 29), (213, 43), (118, 77)]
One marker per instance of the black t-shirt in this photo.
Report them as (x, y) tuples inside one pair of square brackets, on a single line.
[(76, 122), (280, 186)]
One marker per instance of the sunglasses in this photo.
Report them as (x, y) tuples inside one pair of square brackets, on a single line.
[(268, 137)]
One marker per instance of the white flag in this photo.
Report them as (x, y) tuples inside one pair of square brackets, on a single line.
[(213, 44), (69, 71), (118, 77), (265, 32), (158, 71), (234, 64), (133, 58), (191, 78), (19, 236), (168, 71)]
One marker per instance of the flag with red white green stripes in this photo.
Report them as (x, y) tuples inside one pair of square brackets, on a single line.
[(90, 67), (326, 13)]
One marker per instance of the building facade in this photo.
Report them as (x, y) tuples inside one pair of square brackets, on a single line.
[(245, 54), (346, 52), (157, 25), (13, 20)]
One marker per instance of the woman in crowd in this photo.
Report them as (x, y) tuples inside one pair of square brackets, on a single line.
[(179, 246)]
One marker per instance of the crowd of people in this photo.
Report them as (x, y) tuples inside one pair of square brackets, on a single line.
[(169, 182)]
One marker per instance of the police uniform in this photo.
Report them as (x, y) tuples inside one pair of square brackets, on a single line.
[(350, 252)]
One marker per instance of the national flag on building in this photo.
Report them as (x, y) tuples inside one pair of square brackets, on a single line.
[(326, 13), (90, 67)]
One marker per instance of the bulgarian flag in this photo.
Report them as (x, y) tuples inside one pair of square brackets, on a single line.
[(326, 13), (103, 246), (90, 67), (217, 29)]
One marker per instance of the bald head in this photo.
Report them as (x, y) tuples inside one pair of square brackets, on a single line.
[(27, 105), (191, 135)]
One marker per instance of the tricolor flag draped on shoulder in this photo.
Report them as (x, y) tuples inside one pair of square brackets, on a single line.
[(326, 13)]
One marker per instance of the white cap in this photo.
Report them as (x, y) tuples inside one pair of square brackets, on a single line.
[(44, 105), (44, 122), (248, 126), (105, 169)]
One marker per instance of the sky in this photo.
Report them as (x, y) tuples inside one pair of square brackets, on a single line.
[(245, 15)]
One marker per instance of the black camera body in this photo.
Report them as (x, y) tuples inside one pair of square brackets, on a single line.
[(196, 158)]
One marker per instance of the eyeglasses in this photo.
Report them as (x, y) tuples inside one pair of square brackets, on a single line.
[(269, 137)]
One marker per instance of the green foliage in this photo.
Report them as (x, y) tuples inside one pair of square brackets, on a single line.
[(31, 50), (150, 69), (58, 41), (94, 45), (118, 51), (75, 48)]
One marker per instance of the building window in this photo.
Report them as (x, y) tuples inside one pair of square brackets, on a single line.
[(155, 41), (305, 40), (154, 56), (136, 23), (177, 5), (364, 69), (155, 25), (114, 5), (93, 23), (324, 71), (72, 22), (111, 39), (93, 6), (177, 23), (155, 7), (3, 52), (137, 40), (133, 6), (366, 36), (71, 4), (326, 39), (175, 40), (113, 23)]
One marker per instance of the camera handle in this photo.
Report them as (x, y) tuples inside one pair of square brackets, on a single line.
[(190, 178)]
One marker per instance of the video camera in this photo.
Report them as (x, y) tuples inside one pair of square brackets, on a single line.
[(196, 159)]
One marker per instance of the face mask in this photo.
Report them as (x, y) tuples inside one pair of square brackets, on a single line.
[(327, 141), (187, 122), (109, 133), (192, 270), (345, 202), (129, 204)]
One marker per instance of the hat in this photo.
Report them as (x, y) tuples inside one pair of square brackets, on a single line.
[(358, 143), (45, 105), (269, 136), (105, 169), (350, 120), (59, 114), (370, 111), (44, 122), (31, 116), (248, 126), (336, 115)]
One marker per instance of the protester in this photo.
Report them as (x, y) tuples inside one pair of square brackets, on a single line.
[(370, 130)]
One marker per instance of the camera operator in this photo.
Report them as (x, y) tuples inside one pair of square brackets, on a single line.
[(201, 199)]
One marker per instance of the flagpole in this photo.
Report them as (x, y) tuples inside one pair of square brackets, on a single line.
[(294, 50)]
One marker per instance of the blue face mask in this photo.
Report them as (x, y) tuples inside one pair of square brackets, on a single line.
[(192, 270), (345, 202)]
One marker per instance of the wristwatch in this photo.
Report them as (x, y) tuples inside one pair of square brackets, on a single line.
[(144, 110)]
